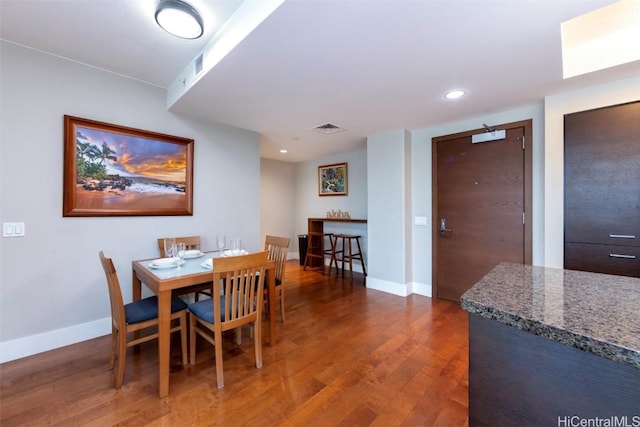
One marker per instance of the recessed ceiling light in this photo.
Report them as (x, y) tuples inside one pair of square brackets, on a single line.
[(283, 151), (454, 94)]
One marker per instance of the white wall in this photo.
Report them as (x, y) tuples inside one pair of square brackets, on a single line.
[(310, 205), (52, 288), (278, 201), (389, 163), (556, 106)]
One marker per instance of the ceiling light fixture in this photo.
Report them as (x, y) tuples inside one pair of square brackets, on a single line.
[(179, 18), (454, 94)]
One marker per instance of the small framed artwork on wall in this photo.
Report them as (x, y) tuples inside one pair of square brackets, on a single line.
[(333, 180)]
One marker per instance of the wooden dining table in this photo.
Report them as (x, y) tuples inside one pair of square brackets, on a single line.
[(162, 281)]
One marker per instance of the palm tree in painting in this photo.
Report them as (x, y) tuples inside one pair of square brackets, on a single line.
[(106, 153), (90, 159)]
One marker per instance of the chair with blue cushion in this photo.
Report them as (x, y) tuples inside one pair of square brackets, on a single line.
[(238, 284), (278, 248), (134, 317)]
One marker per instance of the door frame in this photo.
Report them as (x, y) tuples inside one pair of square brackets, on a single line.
[(528, 190)]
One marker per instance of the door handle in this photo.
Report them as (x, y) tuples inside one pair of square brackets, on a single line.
[(443, 226)]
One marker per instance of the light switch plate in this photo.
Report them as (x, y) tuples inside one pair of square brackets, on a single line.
[(12, 229), (421, 220)]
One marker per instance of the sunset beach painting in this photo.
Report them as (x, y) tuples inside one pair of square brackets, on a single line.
[(112, 170)]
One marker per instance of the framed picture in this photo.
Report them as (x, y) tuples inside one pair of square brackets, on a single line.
[(332, 180), (113, 170)]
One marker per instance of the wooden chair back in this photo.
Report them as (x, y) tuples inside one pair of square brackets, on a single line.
[(241, 280), (278, 248), (115, 293), (190, 243)]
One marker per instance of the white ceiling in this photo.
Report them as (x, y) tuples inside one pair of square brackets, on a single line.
[(365, 65)]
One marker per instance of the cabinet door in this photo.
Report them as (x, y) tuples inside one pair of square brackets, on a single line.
[(602, 175), (607, 259)]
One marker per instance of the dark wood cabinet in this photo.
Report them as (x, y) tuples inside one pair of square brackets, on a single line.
[(608, 259), (602, 190)]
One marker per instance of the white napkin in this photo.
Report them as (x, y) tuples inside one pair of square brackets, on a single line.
[(192, 253), (230, 252), (164, 261)]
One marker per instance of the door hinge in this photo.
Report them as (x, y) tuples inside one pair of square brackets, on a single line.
[(523, 142), (522, 218)]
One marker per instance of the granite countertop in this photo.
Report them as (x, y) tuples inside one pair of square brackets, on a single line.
[(597, 313)]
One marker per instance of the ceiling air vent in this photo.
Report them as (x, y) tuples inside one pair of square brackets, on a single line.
[(198, 63), (327, 128)]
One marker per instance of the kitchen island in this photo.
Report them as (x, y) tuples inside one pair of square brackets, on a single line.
[(553, 347)]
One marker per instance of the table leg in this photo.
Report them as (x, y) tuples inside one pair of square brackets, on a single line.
[(271, 277), (136, 286), (164, 338)]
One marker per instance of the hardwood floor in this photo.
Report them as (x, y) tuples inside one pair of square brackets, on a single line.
[(346, 356)]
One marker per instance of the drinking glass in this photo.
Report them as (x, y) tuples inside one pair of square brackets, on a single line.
[(236, 246), (221, 242), (179, 252), (169, 243)]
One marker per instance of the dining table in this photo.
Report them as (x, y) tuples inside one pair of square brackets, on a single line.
[(162, 280)]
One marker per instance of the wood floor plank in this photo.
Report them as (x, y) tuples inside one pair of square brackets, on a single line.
[(346, 356)]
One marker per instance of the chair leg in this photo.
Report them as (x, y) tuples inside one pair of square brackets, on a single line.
[(306, 255), (282, 301), (342, 256), (258, 341), (122, 355), (218, 353), (183, 336), (192, 338), (364, 268), (114, 347), (350, 261), (238, 335), (333, 241)]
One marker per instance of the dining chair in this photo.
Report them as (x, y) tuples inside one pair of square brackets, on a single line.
[(278, 248), (237, 300), (190, 243), (137, 316)]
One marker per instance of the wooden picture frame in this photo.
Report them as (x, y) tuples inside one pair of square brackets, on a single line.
[(112, 170), (333, 180)]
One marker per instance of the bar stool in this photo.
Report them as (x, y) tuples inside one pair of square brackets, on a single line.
[(316, 251), (333, 251), (346, 253)]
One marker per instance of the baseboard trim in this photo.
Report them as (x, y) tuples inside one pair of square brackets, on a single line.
[(399, 289), (423, 289), (34, 344)]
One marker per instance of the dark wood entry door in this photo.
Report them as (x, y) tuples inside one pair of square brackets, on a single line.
[(479, 207)]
